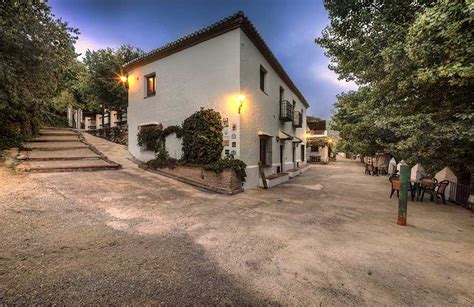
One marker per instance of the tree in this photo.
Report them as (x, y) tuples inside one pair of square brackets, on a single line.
[(310, 118), (105, 67), (35, 51), (412, 62)]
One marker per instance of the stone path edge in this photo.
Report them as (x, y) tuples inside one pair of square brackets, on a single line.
[(94, 149)]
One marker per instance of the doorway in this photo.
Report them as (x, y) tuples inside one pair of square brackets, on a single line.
[(281, 158), (294, 156)]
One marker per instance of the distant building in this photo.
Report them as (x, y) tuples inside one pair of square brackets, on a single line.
[(317, 141), (79, 119)]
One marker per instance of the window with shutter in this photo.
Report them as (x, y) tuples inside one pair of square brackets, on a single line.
[(266, 151), (269, 152)]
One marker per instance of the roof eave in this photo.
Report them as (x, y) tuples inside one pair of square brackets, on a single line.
[(239, 21)]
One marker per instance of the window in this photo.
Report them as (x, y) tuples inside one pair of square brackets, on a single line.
[(150, 85), (266, 151), (302, 152), (263, 75)]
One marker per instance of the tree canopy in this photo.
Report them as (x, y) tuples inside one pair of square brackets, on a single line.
[(413, 63), (104, 67), (35, 51), (41, 76)]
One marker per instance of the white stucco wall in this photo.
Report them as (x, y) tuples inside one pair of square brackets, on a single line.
[(261, 113), (205, 75), (174, 146), (322, 152)]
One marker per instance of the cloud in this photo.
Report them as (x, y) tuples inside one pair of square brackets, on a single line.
[(321, 71)]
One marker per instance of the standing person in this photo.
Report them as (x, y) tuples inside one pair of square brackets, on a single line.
[(375, 163)]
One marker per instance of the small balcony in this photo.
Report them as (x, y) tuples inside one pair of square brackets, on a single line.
[(297, 119), (286, 111)]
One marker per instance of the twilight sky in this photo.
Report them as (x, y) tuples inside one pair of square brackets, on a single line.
[(288, 26)]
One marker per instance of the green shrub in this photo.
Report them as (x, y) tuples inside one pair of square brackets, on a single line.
[(162, 159), (170, 130), (149, 137), (228, 163), (202, 137)]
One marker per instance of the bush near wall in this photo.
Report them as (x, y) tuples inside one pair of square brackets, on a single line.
[(202, 137), (149, 137), (202, 144)]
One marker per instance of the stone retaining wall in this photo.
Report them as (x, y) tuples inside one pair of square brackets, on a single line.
[(226, 182)]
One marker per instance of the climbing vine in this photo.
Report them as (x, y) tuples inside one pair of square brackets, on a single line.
[(202, 137)]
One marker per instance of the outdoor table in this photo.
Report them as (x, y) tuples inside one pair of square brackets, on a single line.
[(416, 187), (422, 185), (419, 185)]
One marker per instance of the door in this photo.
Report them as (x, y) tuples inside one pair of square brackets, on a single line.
[(281, 158), (294, 157)]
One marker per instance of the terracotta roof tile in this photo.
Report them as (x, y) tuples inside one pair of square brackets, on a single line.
[(222, 26)]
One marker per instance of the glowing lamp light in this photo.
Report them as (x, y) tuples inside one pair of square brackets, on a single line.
[(123, 79), (240, 101)]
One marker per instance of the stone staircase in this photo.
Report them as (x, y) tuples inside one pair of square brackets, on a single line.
[(61, 150)]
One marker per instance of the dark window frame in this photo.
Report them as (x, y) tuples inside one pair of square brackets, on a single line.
[(150, 93), (266, 151), (263, 79)]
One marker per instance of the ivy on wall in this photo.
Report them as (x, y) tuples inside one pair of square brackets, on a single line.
[(202, 144), (149, 137), (202, 137), (152, 137)]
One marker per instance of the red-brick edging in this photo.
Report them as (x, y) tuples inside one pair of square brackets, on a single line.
[(226, 182)]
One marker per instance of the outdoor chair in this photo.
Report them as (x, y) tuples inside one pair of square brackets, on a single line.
[(428, 185), (395, 181), (440, 190)]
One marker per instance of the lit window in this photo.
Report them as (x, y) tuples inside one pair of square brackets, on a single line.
[(150, 85)]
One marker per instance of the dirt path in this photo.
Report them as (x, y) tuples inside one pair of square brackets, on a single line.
[(327, 237)]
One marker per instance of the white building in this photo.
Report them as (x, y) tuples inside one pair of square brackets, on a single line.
[(318, 141), (227, 67)]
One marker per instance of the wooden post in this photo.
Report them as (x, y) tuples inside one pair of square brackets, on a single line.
[(403, 199), (262, 175)]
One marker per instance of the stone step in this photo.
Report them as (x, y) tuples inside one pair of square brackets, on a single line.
[(65, 154), (67, 166), (56, 138), (54, 145), (52, 131)]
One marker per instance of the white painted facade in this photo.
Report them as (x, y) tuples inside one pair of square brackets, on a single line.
[(212, 74)]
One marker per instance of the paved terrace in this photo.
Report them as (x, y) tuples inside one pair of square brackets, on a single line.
[(128, 236)]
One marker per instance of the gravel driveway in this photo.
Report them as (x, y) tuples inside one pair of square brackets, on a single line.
[(327, 237)]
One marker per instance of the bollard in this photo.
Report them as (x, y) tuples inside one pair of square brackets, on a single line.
[(402, 200)]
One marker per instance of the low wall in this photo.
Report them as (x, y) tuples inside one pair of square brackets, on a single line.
[(226, 182)]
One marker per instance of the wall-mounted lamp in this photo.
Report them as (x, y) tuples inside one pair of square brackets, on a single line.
[(123, 79), (240, 101)]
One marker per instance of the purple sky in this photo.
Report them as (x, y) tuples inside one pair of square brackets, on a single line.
[(288, 27)]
